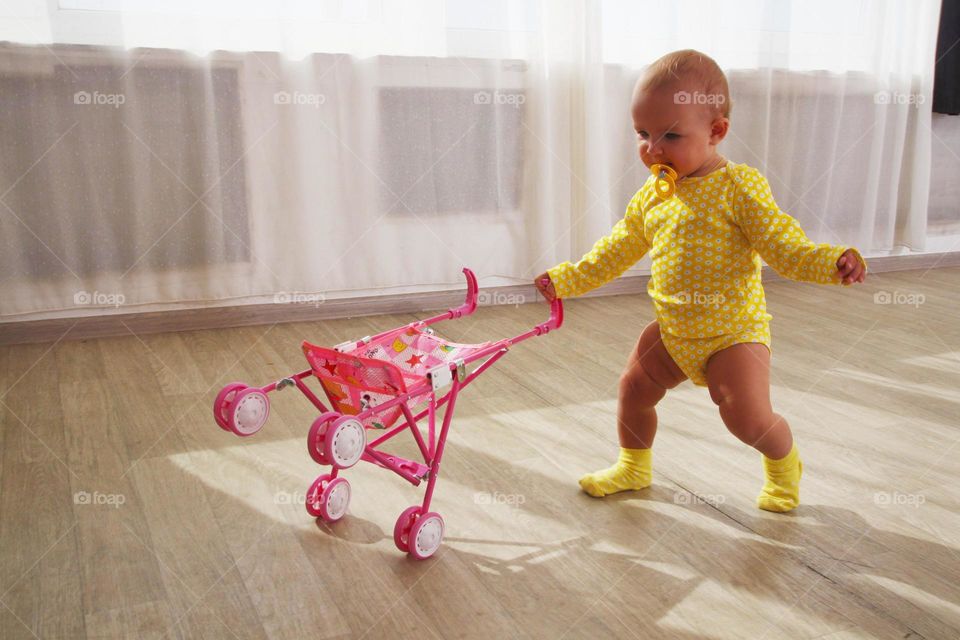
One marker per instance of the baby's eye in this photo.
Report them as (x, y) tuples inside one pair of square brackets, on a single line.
[(672, 136), (643, 134)]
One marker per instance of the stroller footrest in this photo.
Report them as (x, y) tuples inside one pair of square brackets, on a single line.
[(417, 470)]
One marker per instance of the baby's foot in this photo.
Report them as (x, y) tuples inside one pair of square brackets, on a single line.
[(632, 471), (781, 492)]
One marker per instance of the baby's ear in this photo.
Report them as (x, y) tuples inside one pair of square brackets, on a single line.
[(718, 129)]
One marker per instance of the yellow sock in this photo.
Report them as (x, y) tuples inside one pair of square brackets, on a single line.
[(632, 471), (781, 491)]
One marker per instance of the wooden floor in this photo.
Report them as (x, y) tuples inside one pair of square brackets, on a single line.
[(126, 512)]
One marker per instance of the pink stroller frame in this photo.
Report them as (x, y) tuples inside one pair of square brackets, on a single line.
[(372, 385)]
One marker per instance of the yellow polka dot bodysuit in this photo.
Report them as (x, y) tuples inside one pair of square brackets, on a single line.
[(706, 242)]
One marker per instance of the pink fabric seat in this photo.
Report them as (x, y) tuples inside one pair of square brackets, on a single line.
[(380, 370)]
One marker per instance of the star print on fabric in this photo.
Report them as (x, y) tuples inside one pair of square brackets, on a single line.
[(414, 360), (331, 367)]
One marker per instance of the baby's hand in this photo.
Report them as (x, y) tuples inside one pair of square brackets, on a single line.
[(850, 269), (545, 286)]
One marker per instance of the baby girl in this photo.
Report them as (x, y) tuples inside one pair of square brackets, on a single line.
[(706, 223)]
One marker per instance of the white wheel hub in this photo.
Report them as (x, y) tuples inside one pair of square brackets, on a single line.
[(429, 536), (347, 441), (251, 412), (338, 499)]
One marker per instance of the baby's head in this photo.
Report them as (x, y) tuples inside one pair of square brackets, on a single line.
[(681, 109)]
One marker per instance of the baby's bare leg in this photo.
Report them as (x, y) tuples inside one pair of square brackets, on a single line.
[(649, 373), (739, 381)]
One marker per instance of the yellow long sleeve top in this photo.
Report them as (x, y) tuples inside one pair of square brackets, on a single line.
[(705, 245)]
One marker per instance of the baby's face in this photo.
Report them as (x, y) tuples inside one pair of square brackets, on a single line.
[(673, 132)]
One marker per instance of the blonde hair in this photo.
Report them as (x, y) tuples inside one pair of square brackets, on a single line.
[(688, 65)]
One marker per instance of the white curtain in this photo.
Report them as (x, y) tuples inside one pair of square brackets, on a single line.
[(163, 155)]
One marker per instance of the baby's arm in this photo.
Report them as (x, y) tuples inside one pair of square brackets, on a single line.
[(780, 241), (610, 256)]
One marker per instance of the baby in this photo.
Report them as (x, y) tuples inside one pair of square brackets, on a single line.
[(706, 222)]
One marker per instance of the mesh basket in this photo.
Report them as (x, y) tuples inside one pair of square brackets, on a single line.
[(380, 370)]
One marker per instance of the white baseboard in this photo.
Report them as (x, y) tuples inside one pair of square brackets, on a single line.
[(34, 331)]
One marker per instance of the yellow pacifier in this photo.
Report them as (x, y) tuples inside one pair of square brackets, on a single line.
[(665, 183)]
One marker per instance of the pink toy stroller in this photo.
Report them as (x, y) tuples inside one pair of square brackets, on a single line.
[(371, 385)]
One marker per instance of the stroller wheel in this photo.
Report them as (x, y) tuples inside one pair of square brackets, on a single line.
[(344, 442), (401, 530), (248, 411), (426, 534), (221, 405), (314, 494), (328, 498), (317, 435)]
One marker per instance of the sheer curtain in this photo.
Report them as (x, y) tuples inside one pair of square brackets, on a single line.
[(165, 155)]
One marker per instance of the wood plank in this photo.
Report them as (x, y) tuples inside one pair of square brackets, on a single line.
[(212, 539)]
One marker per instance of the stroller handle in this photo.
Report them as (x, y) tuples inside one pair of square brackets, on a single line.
[(470, 302), (556, 313), (556, 317), (554, 322), (470, 305)]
